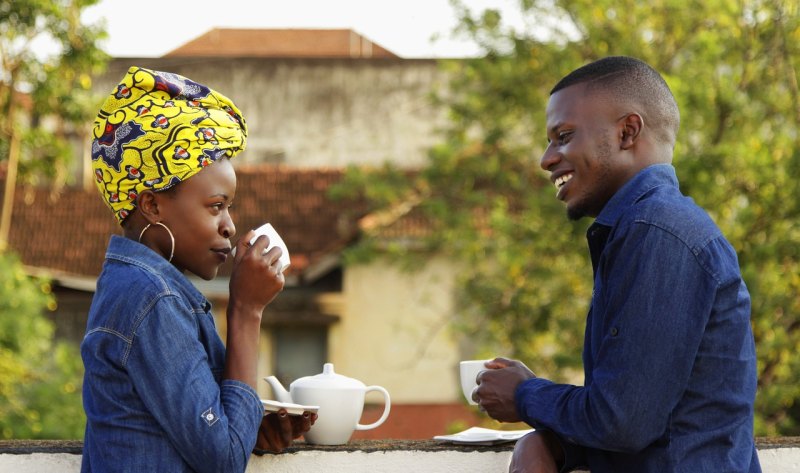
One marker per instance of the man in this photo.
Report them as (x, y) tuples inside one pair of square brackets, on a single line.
[(669, 357)]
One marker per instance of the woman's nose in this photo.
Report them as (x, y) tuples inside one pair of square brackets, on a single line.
[(228, 229)]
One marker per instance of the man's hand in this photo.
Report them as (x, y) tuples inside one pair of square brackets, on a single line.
[(537, 452), (496, 387), (279, 429)]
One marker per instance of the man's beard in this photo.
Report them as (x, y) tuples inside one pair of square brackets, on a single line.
[(585, 206), (576, 213)]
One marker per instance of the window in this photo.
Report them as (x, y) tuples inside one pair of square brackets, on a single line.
[(299, 351)]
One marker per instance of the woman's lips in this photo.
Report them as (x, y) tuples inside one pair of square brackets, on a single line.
[(222, 254)]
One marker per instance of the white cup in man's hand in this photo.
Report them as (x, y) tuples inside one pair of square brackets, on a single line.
[(469, 373)]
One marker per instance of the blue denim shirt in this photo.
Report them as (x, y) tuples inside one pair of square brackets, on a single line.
[(669, 356), (153, 390)]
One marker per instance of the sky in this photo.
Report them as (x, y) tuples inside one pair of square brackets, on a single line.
[(151, 28)]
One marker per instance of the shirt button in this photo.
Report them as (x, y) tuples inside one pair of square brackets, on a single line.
[(614, 331)]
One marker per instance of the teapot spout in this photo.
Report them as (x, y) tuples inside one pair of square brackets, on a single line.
[(281, 394)]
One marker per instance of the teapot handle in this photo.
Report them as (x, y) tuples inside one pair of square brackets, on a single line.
[(386, 408)]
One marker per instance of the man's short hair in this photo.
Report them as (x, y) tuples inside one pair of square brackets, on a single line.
[(630, 80)]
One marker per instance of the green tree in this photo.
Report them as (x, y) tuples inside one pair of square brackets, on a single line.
[(45, 100), (40, 378), (44, 97), (526, 280)]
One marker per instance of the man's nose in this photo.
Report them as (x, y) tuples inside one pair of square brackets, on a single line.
[(549, 158)]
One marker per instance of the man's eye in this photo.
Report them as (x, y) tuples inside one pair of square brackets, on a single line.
[(563, 137)]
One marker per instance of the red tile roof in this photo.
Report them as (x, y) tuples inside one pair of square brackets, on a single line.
[(295, 43), (68, 231)]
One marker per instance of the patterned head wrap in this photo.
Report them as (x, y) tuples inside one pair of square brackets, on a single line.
[(157, 129)]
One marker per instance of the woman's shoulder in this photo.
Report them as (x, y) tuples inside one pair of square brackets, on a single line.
[(126, 278), (123, 292)]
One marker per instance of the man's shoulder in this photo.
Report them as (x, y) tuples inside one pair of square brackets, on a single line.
[(666, 208)]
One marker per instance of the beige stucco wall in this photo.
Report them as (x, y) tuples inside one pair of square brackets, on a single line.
[(319, 112), (395, 331)]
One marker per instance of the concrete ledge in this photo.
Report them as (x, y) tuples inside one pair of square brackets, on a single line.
[(777, 455)]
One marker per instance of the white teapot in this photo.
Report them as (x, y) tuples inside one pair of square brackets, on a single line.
[(340, 400)]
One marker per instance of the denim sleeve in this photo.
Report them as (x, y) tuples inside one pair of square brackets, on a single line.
[(213, 426), (648, 321), (574, 454)]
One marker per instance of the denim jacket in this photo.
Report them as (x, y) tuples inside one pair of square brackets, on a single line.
[(153, 390), (669, 356)]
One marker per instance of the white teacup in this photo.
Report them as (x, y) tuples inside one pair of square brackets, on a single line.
[(469, 373)]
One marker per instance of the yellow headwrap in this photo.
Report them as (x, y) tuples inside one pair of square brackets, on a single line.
[(157, 129)]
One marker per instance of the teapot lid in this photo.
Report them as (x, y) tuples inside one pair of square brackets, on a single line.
[(327, 379)]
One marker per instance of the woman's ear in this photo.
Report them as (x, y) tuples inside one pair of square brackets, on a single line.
[(147, 204), (631, 128)]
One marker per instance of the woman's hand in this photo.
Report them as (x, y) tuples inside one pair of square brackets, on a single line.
[(256, 277), (279, 429), (256, 280)]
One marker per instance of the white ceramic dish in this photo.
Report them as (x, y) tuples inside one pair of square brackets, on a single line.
[(481, 436), (292, 409)]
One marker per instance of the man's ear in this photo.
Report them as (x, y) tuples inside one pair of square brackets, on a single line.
[(631, 127), (147, 203)]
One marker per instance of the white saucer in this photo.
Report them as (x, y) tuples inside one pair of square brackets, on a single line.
[(292, 409), (481, 436)]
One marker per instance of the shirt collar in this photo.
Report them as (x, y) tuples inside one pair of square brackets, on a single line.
[(642, 183), (134, 253)]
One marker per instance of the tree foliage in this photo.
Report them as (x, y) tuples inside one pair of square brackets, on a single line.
[(732, 66), (45, 97), (47, 57), (40, 378)]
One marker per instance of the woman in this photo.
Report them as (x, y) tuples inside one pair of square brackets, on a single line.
[(161, 393)]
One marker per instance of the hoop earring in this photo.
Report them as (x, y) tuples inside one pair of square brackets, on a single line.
[(171, 237)]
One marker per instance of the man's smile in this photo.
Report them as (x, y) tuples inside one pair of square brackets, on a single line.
[(561, 181)]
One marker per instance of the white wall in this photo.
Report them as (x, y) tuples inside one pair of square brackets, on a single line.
[(773, 460)]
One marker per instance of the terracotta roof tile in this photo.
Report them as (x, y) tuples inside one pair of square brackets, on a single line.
[(296, 43), (68, 232)]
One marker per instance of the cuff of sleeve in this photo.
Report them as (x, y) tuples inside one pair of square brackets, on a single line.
[(524, 396), (236, 384), (242, 398)]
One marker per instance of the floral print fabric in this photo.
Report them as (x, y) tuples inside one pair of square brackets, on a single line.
[(157, 129)]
